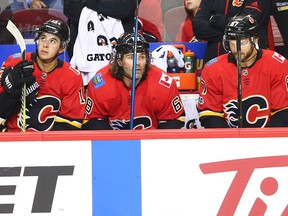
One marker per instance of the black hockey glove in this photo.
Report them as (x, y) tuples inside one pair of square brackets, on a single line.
[(32, 93), (13, 79)]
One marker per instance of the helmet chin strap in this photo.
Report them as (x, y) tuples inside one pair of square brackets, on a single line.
[(128, 76)]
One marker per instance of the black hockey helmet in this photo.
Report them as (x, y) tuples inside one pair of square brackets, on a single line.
[(55, 27), (242, 26), (125, 44)]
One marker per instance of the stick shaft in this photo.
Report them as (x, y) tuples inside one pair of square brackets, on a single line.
[(239, 80), (132, 108)]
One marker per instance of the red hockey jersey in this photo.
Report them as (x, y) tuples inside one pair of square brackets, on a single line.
[(264, 89), (156, 99), (60, 98)]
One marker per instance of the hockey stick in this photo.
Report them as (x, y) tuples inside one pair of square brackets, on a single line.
[(239, 82), (132, 109), (20, 41)]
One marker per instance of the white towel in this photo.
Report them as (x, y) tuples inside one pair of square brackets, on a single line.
[(159, 56), (96, 39)]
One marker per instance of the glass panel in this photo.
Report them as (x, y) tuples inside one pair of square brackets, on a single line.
[(27, 16), (159, 19)]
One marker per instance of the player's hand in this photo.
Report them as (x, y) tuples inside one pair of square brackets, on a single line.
[(23, 73), (32, 93), (13, 79)]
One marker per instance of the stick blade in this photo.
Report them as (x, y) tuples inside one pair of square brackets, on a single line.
[(18, 36)]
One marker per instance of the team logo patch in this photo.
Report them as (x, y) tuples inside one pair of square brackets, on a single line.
[(165, 80), (98, 80), (237, 3), (17, 55), (212, 61), (278, 57)]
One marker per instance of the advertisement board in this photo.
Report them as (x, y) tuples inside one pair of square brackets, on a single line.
[(45, 178), (214, 177), (145, 173)]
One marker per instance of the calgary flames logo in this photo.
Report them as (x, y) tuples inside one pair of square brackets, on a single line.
[(237, 3), (256, 111), (140, 122), (231, 109)]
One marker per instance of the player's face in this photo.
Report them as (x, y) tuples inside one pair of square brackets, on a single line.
[(247, 49), (49, 46), (127, 64)]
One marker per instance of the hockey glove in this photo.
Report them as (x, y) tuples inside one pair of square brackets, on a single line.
[(32, 93), (13, 79)]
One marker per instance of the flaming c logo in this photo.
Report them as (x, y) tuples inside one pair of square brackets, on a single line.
[(237, 3)]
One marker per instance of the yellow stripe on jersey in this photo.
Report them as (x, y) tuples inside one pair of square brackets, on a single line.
[(85, 121), (181, 118), (2, 125), (210, 113), (273, 113), (73, 123)]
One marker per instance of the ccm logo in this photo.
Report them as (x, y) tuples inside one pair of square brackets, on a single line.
[(45, 188)]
